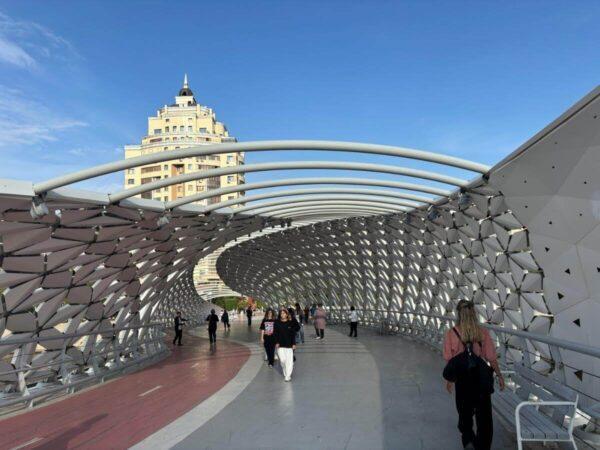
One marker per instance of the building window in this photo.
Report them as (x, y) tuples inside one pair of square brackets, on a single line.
[(130, 181), (130, 170), (203, 130), (190, 166), (190, 129), (166, 199), (230, 158), (231, 197), (190, 187), (181, 128), (149, 169), (230, 178), (166, 129), (167, 120), (157, 131), (166, 167)]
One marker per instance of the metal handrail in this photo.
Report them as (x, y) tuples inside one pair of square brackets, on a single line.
[(75, 335), (61, 362), (568, 345)]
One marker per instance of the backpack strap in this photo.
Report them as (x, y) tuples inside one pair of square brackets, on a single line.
[(457, 334)]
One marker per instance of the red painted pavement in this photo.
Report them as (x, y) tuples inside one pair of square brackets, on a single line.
[(114, 416)]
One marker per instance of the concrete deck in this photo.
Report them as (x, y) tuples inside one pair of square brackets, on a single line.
[(373, 392)]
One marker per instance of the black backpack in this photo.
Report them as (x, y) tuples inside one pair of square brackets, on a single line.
[(470, 371)]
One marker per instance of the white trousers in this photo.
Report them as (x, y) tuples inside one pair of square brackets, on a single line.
[(286, 359)]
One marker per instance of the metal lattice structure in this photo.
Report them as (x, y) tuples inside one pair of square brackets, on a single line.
[(83, 272)]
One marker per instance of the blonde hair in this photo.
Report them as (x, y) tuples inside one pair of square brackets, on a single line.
[(467, 321)]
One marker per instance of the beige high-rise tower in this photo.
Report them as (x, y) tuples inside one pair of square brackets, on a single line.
[(182, 124)]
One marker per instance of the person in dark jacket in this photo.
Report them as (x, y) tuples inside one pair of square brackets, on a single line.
[(267, 338), (249, 315), (297, 321), (285, 343), (225, 320), (213, 321), (178, 328)]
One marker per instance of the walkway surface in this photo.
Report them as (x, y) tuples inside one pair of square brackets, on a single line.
[(374, 392), (122, 412)]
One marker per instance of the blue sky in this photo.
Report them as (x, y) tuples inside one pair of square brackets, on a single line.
[(471, 79)]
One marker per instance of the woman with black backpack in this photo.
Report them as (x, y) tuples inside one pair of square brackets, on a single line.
[(470, 351)]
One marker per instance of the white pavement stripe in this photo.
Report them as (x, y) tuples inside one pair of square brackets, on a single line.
[(155, 388), (179, 429), (25, 444), (195, 365)]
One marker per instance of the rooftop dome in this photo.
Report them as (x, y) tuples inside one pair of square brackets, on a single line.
[(185, 91)]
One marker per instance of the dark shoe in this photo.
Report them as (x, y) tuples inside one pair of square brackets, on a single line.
[(470, 446)]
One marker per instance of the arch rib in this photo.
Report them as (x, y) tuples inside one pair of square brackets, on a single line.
[(204, 150), (326, 200), (307, 181), (289, 193), (291, 165)]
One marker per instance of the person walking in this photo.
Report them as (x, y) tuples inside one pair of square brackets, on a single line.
[(225, 320), (178, 324), (213, 321), (320, 321), (353, 322), (285, 343), (306, 314), (249, 315), (471, 398), (313, 310), (267, 338), (296, 325), (299, 313)]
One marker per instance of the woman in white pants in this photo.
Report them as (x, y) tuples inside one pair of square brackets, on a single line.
[(285, 343)]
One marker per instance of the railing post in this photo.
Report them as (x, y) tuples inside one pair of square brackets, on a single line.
[(116, 351), (21, 366), (93, 356), (559, 368), (64, 374)]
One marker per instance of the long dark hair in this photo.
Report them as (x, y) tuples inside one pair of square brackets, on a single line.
[(269, 311)]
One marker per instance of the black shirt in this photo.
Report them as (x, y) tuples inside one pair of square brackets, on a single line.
[(179, 323), (225, 317), (212, 320), (285, 333), (268, 325)]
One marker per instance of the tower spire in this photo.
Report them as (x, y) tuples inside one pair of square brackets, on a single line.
[(185, 81)]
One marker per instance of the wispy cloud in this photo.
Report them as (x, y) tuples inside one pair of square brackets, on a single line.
[(11, 53), (26, 121), (24, 44)]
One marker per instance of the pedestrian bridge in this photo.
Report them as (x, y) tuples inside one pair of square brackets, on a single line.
[(89, 279)]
